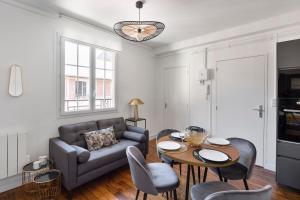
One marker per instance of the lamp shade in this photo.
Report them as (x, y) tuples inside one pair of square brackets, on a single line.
[(136, 102)]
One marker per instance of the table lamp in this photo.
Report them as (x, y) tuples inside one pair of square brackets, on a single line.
[(136, 102)]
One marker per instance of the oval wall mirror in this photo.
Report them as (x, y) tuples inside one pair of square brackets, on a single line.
[(15, 82)]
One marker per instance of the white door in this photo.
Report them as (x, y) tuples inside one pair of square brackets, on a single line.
[(176, 97), (240, 100)]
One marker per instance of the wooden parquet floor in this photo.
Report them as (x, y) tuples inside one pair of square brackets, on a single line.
[(117, 185)]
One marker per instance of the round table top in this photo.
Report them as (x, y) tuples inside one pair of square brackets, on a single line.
[(186, 157), (29, 166)]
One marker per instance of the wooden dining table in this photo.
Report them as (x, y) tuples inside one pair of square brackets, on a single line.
[(185, 156)]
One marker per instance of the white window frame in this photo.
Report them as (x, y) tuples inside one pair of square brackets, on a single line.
[(92, 91)]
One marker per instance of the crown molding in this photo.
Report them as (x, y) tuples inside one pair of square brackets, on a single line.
[(258, 27)]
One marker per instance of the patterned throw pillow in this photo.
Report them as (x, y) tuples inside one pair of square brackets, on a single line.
[(95, 140), (107, 136)]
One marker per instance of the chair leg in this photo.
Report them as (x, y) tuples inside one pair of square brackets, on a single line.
[(167, 195), (145, 196), (137, 194), (175, 194), (225, 180), (220, 175), (205, 175), (187, 186), (70, 195), (180, 169), (193, 173), (246, 184), (199, 174)]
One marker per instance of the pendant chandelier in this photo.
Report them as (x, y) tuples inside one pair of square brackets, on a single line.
[(139, 31)]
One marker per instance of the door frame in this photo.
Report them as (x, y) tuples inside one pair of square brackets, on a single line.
[(265, 124), (164, 92)]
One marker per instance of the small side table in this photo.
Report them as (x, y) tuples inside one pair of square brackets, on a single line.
[(28, 175), (135, 121), (48, 185)]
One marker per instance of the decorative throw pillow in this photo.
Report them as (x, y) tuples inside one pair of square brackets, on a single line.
[(107, 136), (93, 140)]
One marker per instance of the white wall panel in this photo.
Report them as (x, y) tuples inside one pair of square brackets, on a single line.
[(3, 156), (22, 150), (12, 154)]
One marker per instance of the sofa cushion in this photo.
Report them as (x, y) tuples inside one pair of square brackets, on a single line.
[(83, 155), (118, 124), (134, 136), (73, 133), (106, 155)]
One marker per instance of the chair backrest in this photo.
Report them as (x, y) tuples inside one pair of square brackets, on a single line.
[(162, 134), (141, 176), (247, 153), (260, 194)]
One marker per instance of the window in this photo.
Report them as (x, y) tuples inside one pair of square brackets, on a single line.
[(80, 88), (88, 74)]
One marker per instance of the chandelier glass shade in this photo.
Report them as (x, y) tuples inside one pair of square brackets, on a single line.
[(138, 31)]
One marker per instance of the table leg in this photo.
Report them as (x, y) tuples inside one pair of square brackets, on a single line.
[(193, 173), (199, 174), (205, 175), (219, 173), (187, 187)]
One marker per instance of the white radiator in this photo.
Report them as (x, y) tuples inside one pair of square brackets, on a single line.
[(13, 153)]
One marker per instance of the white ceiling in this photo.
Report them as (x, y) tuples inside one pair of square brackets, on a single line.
[(184, 19)]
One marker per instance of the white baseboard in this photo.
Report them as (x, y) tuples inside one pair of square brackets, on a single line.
[(10, 183), (271, 167)]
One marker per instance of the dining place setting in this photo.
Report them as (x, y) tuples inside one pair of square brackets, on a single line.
[(228, 158), (195, 147)]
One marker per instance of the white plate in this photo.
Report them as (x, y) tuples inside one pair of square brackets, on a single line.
[(218, 141), (213, 155), (178, 135), (169, 145)]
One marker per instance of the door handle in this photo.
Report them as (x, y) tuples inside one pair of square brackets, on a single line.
[(166, 105), (260, 110)]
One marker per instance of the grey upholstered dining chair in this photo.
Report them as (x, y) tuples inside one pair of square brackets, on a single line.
[(241, 170), (164, 158), (225, 191), (152, 178)]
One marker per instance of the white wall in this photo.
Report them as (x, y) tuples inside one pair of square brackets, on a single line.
[(193, 56), (29, 40)]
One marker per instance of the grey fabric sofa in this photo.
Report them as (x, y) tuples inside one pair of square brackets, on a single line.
[(100, 162)]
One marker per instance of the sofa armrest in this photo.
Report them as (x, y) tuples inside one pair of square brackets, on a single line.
[(65, 159), (141, 131), (134, 136)]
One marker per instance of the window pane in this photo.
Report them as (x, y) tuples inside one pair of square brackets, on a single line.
[(84, 55), (109, 89), (70, 53), (99, 58), (99, 87), (70, 94), (109, 60)]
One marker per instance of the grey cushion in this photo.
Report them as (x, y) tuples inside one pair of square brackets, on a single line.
[(83, 155), (233, 172), (134, 136), (118, 124), (163, 177), (201, 191), (73, 133), (106, 155)]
